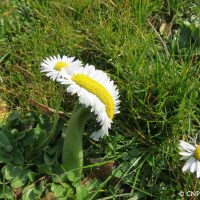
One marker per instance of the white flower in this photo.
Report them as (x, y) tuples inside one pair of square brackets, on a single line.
[(192, 153), (95, 90), (54, 66)]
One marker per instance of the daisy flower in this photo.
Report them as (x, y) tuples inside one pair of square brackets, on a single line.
[(95, 89), (55, 66), (192, 153)]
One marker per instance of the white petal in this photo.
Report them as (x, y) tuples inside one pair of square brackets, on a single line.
[(198, 169), (186, 153), (98, 134), (188, 164), (193, 167), (187, 146), (48, 66), (183, 157)]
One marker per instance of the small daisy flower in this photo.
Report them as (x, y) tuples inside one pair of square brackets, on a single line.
[(192, 153), (54, 66), (95, 89)]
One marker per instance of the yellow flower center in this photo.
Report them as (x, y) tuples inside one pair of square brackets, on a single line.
[(97, 89), (197, 152), (59, 65)]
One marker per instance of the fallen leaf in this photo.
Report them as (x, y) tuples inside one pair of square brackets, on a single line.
[(49, 196), (4, 110), (46, 109), (17, 193), (101, 172), (166, 29)]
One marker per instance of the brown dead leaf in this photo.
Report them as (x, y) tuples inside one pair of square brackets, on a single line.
[(49, 196), (4, 110), (101, 172), (46, 109), (4, 2), (17, 193), (166, 29)]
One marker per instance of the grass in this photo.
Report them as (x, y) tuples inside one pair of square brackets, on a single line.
[(158, 79)]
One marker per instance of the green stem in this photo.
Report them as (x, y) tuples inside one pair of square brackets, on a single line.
[(72, 156)]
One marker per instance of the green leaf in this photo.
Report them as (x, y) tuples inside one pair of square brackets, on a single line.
[(39, 188), (13, 119), (185, 38), (4, 157), (71, 176), (32, 176), (41, 136), (5, 142), (58, 190), (7, 171), (46, 169), (118, 173), (28, 138), (19, 181), (18, 157), (82, 193), (45, 123), (28, 194), (7, 194), (17, 175), (49, 158)]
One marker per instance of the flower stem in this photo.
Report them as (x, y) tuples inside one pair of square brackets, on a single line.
[(72, 156)]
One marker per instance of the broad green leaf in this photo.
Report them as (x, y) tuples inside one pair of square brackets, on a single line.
[(13, 119), (5, 157), (32, 176), (28, 138), (18, 157), (82, 193), (118, 173), (39, 188), (7, 171), (5, 142), (58, 190), (17, 175), (19, 181), (71, 176), (48, 159), (45, 169), (7, 194), (28, 194)]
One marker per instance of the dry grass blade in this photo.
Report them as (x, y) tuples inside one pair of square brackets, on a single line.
[(46, 109)]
